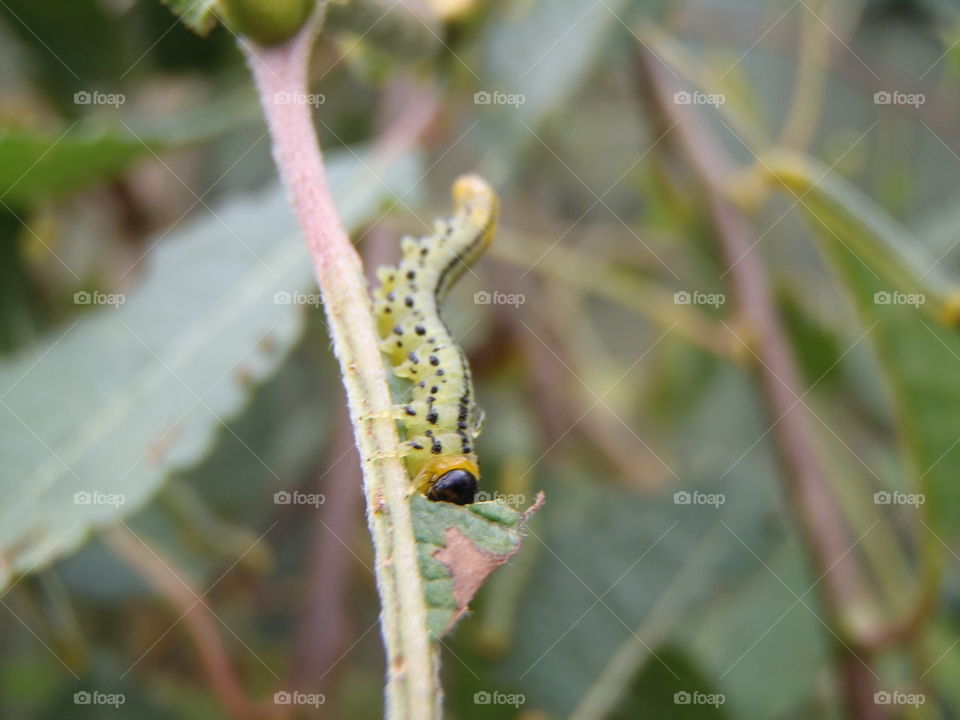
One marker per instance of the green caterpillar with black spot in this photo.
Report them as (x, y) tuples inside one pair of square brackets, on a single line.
[(442, 419)]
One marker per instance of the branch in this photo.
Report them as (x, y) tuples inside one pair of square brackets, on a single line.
[(158, 571), (810, 496), (280, 72)]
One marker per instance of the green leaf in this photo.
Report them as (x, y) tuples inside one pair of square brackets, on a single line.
[(459, 547), (198, 15), (39, 164), (853, 222), (918, 353), (123, 396), (742, 635), (36, 164), (616, 566)]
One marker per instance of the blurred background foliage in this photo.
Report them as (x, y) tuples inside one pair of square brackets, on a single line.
[(203, 393)]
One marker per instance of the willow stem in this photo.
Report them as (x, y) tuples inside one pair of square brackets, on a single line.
[(280, 73)]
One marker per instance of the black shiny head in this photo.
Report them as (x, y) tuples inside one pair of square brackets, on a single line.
[(456, 486)]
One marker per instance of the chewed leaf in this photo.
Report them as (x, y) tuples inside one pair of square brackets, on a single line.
[(459, 547), (198, 15)]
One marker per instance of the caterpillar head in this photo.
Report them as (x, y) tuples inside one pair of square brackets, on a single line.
[(450, 479)]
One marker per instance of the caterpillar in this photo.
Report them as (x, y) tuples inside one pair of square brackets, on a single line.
[(441, 419)]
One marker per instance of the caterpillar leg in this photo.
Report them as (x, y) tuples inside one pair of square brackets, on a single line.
[(396, 412), (408, 449)]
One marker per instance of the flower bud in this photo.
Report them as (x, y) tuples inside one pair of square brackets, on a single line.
[(267, 22)]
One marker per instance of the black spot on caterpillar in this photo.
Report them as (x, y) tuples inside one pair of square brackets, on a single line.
[(443, 420)]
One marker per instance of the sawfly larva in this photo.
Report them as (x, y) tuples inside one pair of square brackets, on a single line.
[(441, 419)]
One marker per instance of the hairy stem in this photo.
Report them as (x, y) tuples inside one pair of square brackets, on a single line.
[(280, 73)]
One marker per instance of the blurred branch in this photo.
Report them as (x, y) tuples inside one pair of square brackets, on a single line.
[(558, 415), (805, 484), (807, 101), (159, 572), (685, 64), (601, 279), (735, 26), (896, 255), (323, 625), (582, 352), (413, 689)]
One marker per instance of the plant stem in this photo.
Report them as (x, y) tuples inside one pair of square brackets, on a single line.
[(808, 492), (198, 619), (413, 689)]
